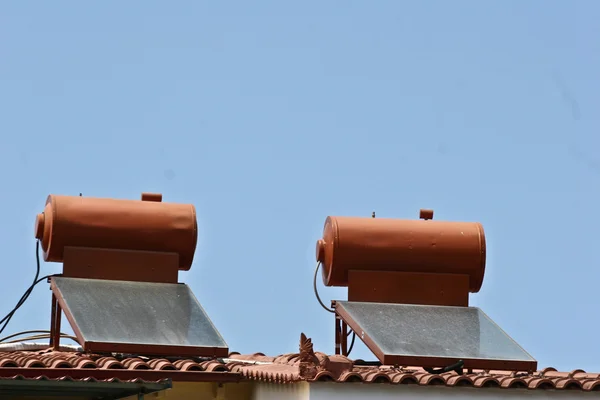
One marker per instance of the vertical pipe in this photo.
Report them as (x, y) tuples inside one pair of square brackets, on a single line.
[(337, 334), (57, 316), (53, 320), (344, 336)]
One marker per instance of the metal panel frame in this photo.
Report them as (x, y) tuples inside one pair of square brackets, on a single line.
[(59, 305), (421, 361)]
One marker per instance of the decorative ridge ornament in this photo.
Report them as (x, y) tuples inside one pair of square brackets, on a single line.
[(310, 365)]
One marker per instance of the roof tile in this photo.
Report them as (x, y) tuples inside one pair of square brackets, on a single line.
[(286, 368), (68, 378)]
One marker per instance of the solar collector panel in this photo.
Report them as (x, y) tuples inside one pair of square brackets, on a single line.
[(138, 317), (433, 336)]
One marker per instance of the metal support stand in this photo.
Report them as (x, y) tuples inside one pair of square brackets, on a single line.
[(52, 314), (341, 334), (338, 331), (55, 317), (344, 341)]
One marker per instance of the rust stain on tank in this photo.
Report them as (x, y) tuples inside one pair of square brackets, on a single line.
[(416, 246), (144, 225)]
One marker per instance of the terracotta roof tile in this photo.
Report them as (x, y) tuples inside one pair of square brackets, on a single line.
[(58, 365), (286, 368), (68, 378)]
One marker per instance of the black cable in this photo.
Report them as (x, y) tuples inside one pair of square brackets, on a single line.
[(456, 367), (364, 363), (28, 291), (23, 298), (316, 291), (352, 343)]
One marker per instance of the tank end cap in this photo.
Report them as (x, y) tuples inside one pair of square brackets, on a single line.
[(40, 221), (321, 251)]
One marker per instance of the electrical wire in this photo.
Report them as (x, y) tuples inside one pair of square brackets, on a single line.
[(330, 309), (36, 280), (351, 343), (9, 316), (37, 331), (46, 336), (35, 346), (316, 291), (456, 367), (23, 333)]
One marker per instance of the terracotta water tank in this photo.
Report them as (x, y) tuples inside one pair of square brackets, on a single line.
[(380, 244), (147, 225)]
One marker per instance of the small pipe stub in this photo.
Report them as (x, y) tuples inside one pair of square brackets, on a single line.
[(157, 197), (425, 214)]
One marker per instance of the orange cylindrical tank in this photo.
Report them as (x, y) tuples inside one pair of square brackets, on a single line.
[(147, 224), (380, 244)]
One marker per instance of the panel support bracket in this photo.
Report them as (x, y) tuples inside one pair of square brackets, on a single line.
[(122, 265), (408, 288)]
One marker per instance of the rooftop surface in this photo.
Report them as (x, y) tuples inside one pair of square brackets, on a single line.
[(306, 365)]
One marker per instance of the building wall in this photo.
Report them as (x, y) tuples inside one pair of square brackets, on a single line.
[(203, 391), (361, 391), (350, 391), (273, 391), (232, 391)]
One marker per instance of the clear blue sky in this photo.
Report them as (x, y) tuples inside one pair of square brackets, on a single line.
[(270, 115)]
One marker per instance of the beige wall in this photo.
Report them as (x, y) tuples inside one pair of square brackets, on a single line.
[(272, 391), (203, 391), (361, 391), (348, 391)]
